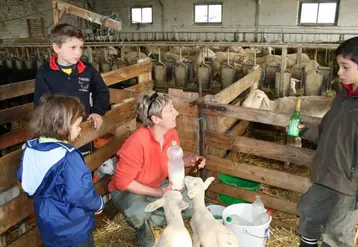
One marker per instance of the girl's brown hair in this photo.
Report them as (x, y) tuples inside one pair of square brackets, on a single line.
[(54, 116)]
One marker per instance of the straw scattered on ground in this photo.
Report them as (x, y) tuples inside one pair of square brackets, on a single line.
[(117, 233)]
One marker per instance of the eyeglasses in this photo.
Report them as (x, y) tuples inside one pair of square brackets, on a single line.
[(152, 99)]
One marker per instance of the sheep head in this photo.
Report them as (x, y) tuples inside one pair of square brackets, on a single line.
[(196, 185)]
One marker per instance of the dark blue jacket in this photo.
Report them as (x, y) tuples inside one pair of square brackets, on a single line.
[(65, 200), (83, 80)]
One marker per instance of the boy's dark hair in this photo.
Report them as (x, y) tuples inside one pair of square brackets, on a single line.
[(349, 49), (60, 33), (54, 116)]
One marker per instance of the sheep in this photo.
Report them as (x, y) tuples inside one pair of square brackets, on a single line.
[(207, 231), (106, 168), (175, 234), (313, 106), (292, 90)]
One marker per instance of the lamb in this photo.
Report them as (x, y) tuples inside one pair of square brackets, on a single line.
[(207, 231), (313, 106), (175, 234), (106, 168)]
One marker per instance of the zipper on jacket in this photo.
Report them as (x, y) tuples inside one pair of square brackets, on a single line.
[(354, 156)]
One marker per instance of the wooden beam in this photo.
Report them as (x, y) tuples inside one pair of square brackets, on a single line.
[(31, 238), (118, 95), (269, 201), (270, 150), (16, 113), (12, 90), (8, 168), (228, 94), (282, 73), (88, 15), (113, 118), (253, 115), (55, 13), (95, 159), (14, 137), (128, 72), (263, 175)]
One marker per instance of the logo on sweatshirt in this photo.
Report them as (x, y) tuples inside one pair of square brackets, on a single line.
[(84, 84)]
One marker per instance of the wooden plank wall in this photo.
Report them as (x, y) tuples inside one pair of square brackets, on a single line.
[(121, 117), (187, 121), (24, 112), (272, 177)]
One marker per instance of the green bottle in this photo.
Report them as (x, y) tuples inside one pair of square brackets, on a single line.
[(295, 120)]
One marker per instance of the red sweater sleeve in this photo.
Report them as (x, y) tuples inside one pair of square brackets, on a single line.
[(129, 164)]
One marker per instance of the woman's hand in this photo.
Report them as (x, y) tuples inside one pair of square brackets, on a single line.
[(165, 189), (202, 163)]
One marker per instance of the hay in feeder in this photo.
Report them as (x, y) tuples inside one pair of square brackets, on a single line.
[(269, 163)]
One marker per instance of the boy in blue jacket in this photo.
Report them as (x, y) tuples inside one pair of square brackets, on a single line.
[(54, 173)]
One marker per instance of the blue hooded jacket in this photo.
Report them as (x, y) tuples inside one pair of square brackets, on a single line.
[(65, 200)]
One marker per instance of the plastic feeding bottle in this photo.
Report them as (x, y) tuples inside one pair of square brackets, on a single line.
[(237, 220), (176, 168), (262, 219), (257, 208)]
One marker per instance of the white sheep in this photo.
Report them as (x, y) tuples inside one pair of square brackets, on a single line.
[(107, 167), (175, 234), (313, 106), (207, 231)]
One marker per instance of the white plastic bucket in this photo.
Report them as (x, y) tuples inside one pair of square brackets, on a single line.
[(216, 210), (248, 236)]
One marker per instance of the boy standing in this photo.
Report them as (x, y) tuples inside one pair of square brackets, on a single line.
[(330, 206), (66, 74)]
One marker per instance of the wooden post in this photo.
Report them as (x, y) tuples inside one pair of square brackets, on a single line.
[(55, 13), (85, 14), (283, 70), (299, 56)]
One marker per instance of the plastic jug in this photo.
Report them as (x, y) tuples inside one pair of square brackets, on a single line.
[(176, 168), (237, 220), (257, 208), (262, 219)]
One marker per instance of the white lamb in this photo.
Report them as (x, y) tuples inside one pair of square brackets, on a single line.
[(313, 106), (207, 231), (107, 167), (175, 234)]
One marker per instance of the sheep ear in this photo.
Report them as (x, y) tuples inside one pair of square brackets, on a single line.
[(183, 205), (154, 205), (208, 181), (191, 194)]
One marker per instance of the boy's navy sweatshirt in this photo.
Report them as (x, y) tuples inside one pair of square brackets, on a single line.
[(83, 80)]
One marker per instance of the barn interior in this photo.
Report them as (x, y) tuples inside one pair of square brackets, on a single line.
[(209, 56)]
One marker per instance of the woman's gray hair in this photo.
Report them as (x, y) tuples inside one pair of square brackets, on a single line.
[(155, 102)]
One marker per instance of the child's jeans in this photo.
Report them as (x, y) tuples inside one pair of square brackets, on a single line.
[(323, 210)]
